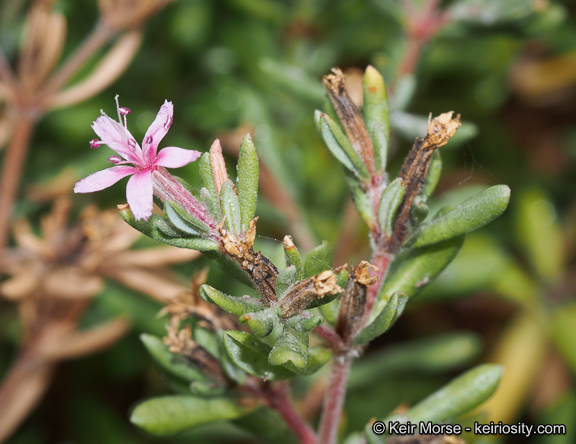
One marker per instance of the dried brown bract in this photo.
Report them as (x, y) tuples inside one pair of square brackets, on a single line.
[(415, 169), (304, 292), (189, 304), (350, 116), (260, 269), (353, 301), (179, 341)]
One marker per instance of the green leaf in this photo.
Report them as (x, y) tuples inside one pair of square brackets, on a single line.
[(340, 146), (261, 322), (173, 363), (563, 331), (251, 355), (434, 173), (292, 258), (207, 179), (304, 323), (375, 109), (318, 260), (389, 203), (412, 272), (437, 354), (184, 221), (419, 210), (285, 280), (247, 181), (291, 346), (231, 207), (169, 415), (380, 140), (392, 310), (361, 199), (317, 358), (472, 214), (151, 228), (235, 305), (294, 80), (456, 398), (540, 233)]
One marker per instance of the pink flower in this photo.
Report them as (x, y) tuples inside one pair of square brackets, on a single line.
[(141, 163)]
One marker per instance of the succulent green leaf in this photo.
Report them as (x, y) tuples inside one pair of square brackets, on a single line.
[(389, 203), (231, 207), (285, 280), (247, 181), (381, 142), (470, 215), (168, 415), (318, 260), (184, 221), (437, 354), (291, 346), (361, 199), (251, 355), (375, 107), (292, 258), (235, 305), (211, 198), (413, 272), (419, 210), (304, 323), (340, 146), (392, 310), (434, 173), (211, 203), (261, 322), (151, 228), (541, 236), (206, 175), (458, 397), (172, 363)]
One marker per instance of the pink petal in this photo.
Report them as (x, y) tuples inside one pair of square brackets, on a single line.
[(157, 130), (139, 194), (117, 137), (103, 179), (173, 157)]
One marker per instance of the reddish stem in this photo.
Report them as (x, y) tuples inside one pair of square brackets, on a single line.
[(334, 400), (280, 400)]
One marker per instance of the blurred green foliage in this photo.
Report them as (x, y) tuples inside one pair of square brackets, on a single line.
[(229, 63)]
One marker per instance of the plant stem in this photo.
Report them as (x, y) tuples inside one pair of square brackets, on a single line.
[(280, 400), (11, 172), (334, 400)]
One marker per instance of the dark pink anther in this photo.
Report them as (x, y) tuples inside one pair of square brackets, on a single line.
[(149, 140), (95, 143), (168, 122), (132, 143), (124, 111), (115, 159)]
